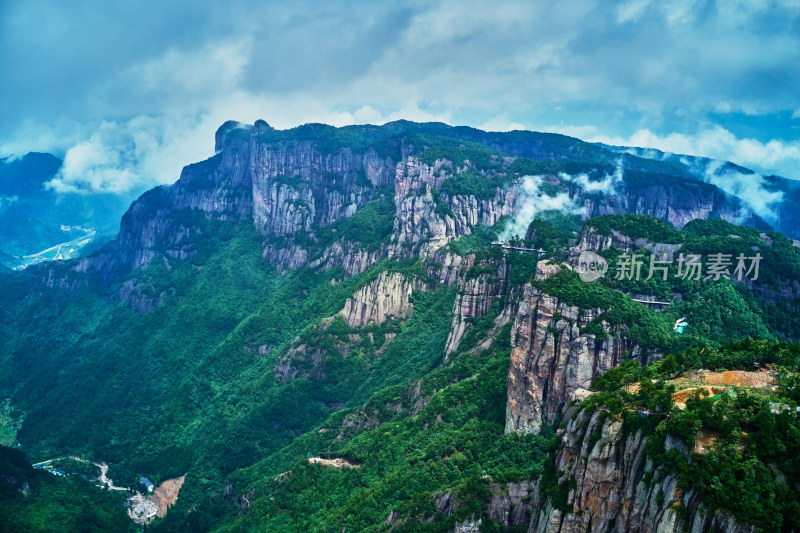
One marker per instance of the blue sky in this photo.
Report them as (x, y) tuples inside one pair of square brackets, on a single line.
[(132, 93)]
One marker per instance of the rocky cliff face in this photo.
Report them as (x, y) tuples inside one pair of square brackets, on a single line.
[(590, 239), (424, 223), (445, 268), (676, 202), (387, 296), (289, 190), (474, 299), (510, 506), (292, 185), (552, 361), (609, 472), (297, 186), (162, 223), (281, 188)]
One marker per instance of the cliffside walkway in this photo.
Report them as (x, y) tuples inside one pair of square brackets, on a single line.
[(651, 302), (506, 246)]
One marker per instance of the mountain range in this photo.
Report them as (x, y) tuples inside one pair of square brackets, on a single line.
[(375, 328)]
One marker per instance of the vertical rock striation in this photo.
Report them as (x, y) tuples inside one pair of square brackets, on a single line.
[(291, 185), (609, 469), (387, 296), (552, 361)]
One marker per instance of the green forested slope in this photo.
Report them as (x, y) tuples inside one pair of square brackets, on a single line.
[(191, 387), (34, 500)]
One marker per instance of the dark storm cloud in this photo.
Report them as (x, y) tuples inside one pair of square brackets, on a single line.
[(147, 83)]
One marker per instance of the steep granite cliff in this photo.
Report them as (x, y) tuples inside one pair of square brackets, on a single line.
[(299, 188), (387, 296), (552, 361), (614, 486)]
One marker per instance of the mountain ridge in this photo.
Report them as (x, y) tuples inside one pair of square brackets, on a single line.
[(285, 181), (343, 294)]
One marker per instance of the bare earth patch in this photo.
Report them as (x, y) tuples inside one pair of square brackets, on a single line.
[(680, 397), (705, 441), (336, 463), (167, 494), (720, 382), (633, 388), (142, 509), (758, 379)]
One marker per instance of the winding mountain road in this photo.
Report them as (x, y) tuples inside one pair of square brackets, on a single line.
[(105, 481)]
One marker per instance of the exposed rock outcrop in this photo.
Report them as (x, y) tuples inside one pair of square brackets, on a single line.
[(475, 298), (590, 239), (445, 268), (510, 506), (552, 360), (675, 201), (291, 186), (425, 223), (608, 467), (351, 257), (281, 188), (296, 186), (387, 296)]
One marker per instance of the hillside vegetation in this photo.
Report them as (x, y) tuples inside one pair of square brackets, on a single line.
[(328, 368)]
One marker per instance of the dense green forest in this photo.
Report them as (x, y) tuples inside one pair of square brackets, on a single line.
[(455, 443), (195, 377), (35, 500), (247, 378)]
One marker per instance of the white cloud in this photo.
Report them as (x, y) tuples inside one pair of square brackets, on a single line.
[(631, 11), (679, 11), (367, 115), (717, 142), (214, 68), (6, 201), (533, 60), (585, 132), (741, 12), (608, 184), (531, 202), (31, 136), (501, 123), (106, 162), (723, 107), (642, 65), (134, 155), (749, 187), (413, 111)]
